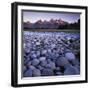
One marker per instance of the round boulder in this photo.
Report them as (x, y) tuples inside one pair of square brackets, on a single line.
[(43, 63), (40, 67), (33, 56), (70, 56), (71, 70), (29, 63), (51, 65), (42, 58), (62, 61), (35, 62), (47, 72), (44, 52), (32, 67), (36, 72), (28, 73)]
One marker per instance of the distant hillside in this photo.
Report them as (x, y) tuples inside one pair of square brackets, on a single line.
[(52, 24)]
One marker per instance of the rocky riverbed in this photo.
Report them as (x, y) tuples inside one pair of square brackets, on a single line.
[(51, 53)]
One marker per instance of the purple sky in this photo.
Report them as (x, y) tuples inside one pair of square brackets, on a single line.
[(35, 16)]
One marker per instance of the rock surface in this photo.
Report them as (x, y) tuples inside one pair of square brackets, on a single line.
[(51, 53), (47, 72), (62, 61), (28, 73), (71, 71), (70, 56), (36, 72)]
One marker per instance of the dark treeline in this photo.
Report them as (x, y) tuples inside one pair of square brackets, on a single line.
[(75, 25)]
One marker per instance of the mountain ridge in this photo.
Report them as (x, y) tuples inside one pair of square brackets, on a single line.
[(51, 24)]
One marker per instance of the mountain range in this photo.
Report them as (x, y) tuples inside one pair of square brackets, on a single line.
[(51, 24)]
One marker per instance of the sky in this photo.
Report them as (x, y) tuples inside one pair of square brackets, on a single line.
[(35, 16)]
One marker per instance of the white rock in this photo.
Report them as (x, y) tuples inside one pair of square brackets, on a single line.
[(42, 58)]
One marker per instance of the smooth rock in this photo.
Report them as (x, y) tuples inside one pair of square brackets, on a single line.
[(71, 71), (27, 50), (28, 63), (62, 61), (42, 58), (44, 52), (53, 46), (40, 67), (48, 60), (28, 45), (75, 62), (33, 56), (51, 65), (28, 73), (37, 43), (38, 53), (43, 63), (36, 72), (78, 67), (32, 67), (47, 72), (67, 65), (49, 51), (35, 62), (70, 56)]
